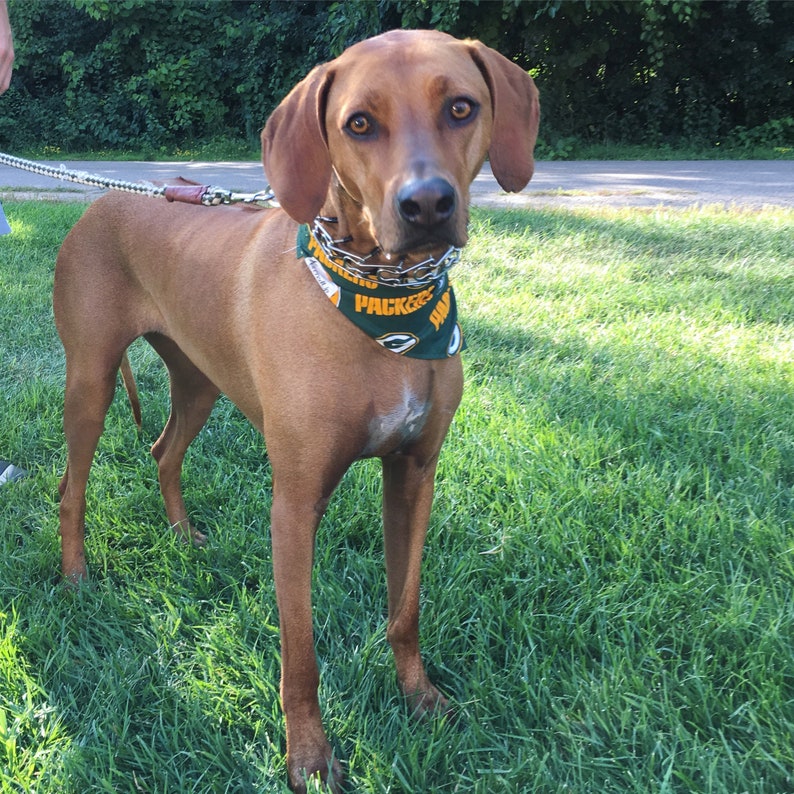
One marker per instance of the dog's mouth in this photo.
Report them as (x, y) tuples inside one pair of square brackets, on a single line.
[(415, 244), (407, 251), (416, 220)]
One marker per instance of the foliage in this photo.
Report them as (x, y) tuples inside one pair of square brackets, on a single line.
[(141, 73), (608, 584), (99, 74), (657, 72)]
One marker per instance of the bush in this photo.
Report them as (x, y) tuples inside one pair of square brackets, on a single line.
[(94, 74)]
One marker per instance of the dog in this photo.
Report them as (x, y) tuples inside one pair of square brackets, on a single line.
[(329, 320)]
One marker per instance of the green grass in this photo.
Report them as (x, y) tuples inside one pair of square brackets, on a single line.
[(736, 149), (743, 147), (220, 149), (608, 586)]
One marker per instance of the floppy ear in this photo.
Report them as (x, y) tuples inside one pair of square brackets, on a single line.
[(294, 148), (516, 115)]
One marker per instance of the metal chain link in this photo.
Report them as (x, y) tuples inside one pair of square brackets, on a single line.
[(212, 196), (391, 274)]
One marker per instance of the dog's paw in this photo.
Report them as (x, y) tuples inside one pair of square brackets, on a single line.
[(185, 531), (326, 776), (428, 703)]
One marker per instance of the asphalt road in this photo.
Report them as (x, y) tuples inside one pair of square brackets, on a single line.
[(749, 183)]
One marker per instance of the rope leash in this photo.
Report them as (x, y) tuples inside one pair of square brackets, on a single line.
[(421, 274), (205, 195)]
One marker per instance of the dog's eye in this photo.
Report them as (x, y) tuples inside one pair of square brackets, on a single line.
[(359, 124), (462, 109)]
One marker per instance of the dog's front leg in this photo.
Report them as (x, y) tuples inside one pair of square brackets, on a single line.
[(407, 498), (294, 521)]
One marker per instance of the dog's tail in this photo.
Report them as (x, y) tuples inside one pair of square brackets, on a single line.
[(128, 379)]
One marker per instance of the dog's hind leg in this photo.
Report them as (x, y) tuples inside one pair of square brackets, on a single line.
[(192, 398), (90, 384)]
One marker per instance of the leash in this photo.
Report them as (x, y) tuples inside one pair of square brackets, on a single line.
[(205, 195), (392, 274)]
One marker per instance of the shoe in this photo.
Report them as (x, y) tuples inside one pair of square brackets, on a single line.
[(9, 472)]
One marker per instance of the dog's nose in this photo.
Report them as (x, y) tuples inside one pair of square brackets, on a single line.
[(426, 202)]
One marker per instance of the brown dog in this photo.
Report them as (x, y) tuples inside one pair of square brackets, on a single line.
[(382, 143)]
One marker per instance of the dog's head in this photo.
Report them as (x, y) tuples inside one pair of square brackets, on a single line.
[(391, 134)]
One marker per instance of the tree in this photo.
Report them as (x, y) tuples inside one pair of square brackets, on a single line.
[(146, 74)]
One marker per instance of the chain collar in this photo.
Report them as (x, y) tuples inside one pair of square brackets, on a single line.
[(391, 275)]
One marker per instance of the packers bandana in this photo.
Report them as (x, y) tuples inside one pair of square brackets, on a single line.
[(419, 322)]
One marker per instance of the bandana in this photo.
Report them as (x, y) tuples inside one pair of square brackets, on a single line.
[(419, 322)]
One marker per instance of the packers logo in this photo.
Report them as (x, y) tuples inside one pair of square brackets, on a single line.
[(456, 341), (398, 342)]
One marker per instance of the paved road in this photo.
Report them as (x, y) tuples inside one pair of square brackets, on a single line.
[(568, 184)]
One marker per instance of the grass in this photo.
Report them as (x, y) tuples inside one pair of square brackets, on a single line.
[(219, 149), (225, 149), (575, 149), (608, 586)]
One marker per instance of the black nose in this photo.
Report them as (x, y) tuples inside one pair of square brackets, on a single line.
[(426, 202)]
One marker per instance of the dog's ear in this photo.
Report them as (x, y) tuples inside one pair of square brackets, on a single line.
[(294, 147), (516, 115)]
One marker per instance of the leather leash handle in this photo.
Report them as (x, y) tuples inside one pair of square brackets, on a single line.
[(187, 194)]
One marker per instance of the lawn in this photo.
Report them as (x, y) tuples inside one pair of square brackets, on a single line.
[(608, 589)]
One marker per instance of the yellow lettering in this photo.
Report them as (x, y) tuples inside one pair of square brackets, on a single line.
[(319, 255), (441, 311), (400, 306)]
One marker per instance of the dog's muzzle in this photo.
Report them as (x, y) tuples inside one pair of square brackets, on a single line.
[(426, 203)]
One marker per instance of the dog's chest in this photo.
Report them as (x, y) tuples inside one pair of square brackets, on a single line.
[(396, 424)]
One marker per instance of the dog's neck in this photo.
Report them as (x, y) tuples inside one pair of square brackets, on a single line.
[(352, 229)]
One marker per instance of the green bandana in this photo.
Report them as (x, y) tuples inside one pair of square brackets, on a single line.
[(420, 322)]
